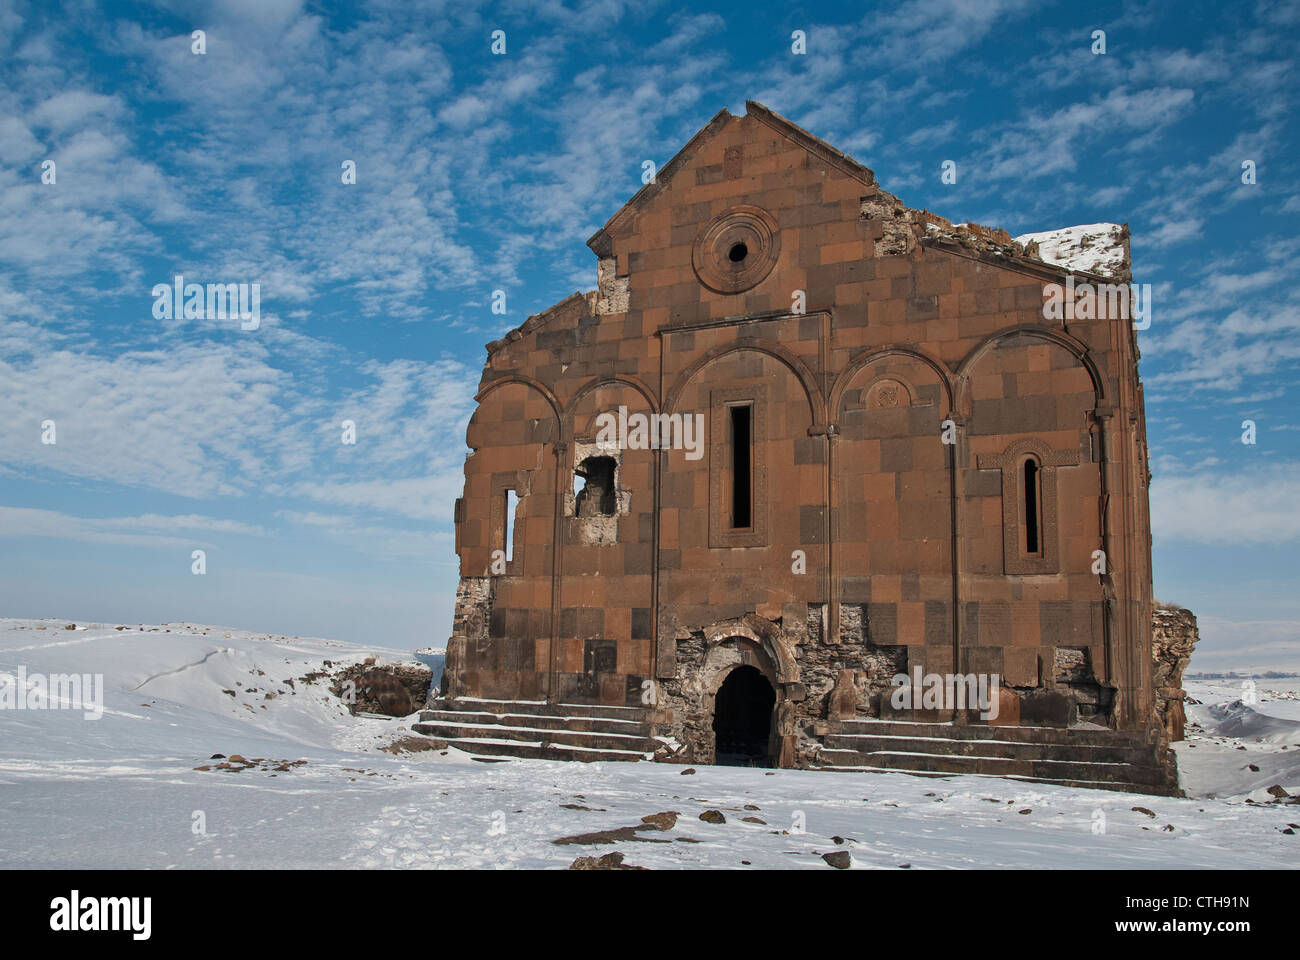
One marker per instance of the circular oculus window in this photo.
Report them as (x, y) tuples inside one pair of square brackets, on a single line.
[(737, 249)]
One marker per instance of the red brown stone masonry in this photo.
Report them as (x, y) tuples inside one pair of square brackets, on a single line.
[(766, 270)]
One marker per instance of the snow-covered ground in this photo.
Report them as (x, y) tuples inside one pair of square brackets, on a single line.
[(123, 791), (1227, 736)]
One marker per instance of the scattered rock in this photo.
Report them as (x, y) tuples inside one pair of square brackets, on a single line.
[(1277, 791), (1024, 811), (71, 626), (609, 836), (610, 861), (753, 820), (688, 771), (1143, 810), (751, 806), (713, 816), (840, 859), (661, 821), (1252, 768)]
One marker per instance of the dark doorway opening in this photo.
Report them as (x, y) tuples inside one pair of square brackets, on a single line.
[(742, 719)]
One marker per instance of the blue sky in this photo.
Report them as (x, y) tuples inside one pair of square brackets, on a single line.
[(478, 172)]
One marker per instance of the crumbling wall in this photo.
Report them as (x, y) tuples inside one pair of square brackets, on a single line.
[(470, 624), (822, 682), (592, 516), (896, 233), (898, 228), (1076, 679), (612, 291), (1173, 637)]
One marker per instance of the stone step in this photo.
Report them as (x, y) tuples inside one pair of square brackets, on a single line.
[(539, 708), (1072, 736), (539, 721), (589, 739), (543, 751), (1162, 790), (1127, 773), (1007, 749)]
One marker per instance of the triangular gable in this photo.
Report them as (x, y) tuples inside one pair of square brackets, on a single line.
[(600, 242)]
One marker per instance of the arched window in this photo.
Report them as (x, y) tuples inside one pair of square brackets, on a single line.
[(741, 438), (738, 499), (1032, 497), (512, 511), (1030, 535)]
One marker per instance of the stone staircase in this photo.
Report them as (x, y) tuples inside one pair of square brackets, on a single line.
[(1092, 757), (540, 730), (1076, 757)]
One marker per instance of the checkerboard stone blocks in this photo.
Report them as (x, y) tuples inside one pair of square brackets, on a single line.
[(907, 542)]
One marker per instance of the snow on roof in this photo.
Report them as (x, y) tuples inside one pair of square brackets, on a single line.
[(1092, 247)]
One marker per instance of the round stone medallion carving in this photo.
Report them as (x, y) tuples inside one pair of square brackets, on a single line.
[(886, 394), (736, 249)]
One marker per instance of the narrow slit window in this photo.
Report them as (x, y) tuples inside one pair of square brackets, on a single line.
[(742, 458), (512, 507), (1031, 507)]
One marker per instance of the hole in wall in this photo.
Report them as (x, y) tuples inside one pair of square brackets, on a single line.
[(738, 252), (597, 496)]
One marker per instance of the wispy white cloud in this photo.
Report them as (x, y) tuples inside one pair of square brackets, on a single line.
[(146, 530), (1252, 504)]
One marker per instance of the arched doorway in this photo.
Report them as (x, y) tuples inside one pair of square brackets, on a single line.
[(742, 719)]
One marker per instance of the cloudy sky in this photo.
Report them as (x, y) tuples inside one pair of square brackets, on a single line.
[(477, 172)]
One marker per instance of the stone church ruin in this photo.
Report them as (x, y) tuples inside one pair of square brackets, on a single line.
[(907, 470)]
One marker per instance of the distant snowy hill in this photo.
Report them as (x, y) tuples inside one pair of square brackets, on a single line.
[(301, 782), (1226, 737)]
